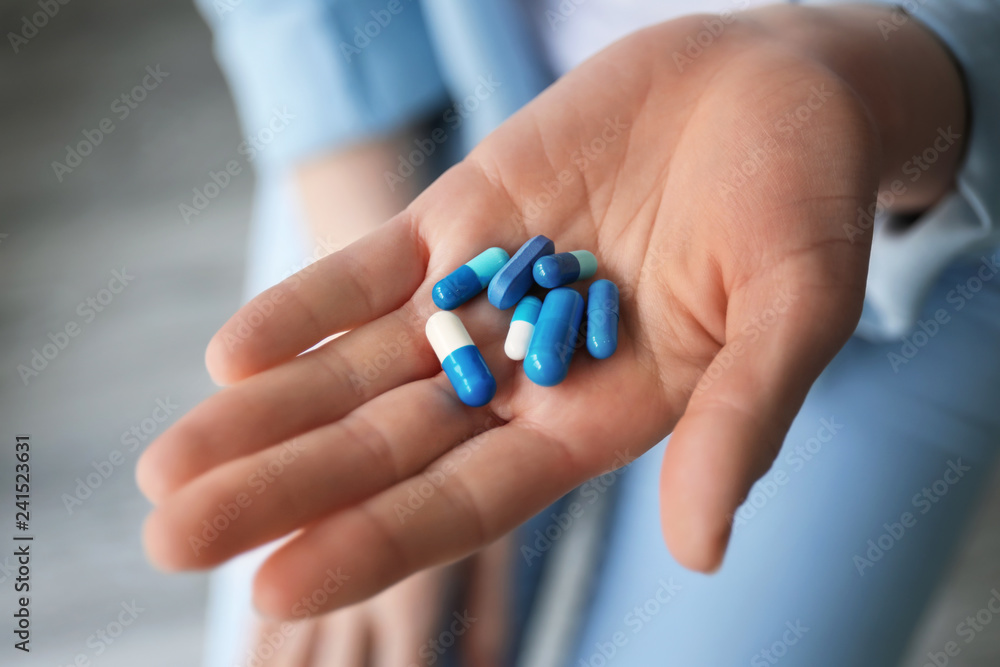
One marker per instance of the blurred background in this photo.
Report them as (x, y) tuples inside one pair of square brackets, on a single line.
[(63, 237), (109, 297)]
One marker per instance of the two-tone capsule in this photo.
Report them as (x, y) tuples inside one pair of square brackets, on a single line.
[(602, 319), (460, 358), (522, 326), (564, 268), (553, 341), (469, 279)]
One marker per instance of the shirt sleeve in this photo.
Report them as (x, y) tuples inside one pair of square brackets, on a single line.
[(309, 75), (907, 260)]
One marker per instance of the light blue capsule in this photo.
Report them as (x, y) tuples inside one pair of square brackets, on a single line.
[(469, 279), (602, 319), (554, 339), (564, 268), (527, 310)]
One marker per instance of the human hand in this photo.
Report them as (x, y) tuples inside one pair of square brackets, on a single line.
[(705, 195), (407, 625), (386, 630)]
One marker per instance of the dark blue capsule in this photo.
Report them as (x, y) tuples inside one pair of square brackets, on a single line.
[(513, 281), (602, 319), (470, 376), (564, 268), (554, 338), (469, 279)]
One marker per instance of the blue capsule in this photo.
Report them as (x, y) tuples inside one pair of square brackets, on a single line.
[(514, 280), (554, 338), (469, 279), (460, 359), (564, 268), (602, 319)]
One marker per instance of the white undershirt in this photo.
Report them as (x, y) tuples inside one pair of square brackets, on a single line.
[(573, 30)]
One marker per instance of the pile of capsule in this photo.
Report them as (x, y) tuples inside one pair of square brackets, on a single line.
[(543, 334)]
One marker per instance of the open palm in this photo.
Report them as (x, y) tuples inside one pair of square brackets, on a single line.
[(708, 195)]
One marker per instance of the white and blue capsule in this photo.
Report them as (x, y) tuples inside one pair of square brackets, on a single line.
[(564, 268), (469, 279), (522, 326), (460, 359), (602, 319)]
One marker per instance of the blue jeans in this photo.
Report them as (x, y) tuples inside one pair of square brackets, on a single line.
[(837, 549)]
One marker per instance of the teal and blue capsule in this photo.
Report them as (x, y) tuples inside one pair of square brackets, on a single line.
[(602, 319), (469, 279), (555, 336), (522, 327), (460, 359), (514, 280), (564, 268)]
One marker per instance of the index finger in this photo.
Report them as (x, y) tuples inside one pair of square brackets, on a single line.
[(362, 282), (466, 499)]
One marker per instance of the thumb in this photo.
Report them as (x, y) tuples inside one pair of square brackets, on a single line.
[(741, 410)]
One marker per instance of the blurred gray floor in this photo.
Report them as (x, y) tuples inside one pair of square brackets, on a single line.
[(60, 243)]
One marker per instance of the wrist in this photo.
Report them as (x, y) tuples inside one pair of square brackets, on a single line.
[(346, 193), (904, 76)]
